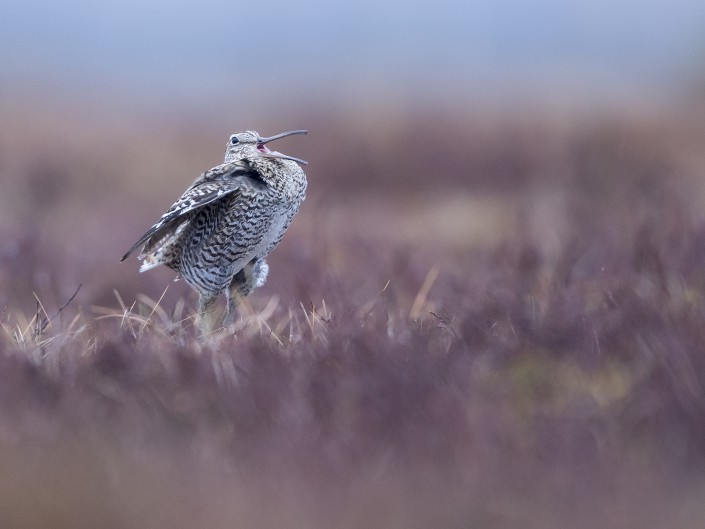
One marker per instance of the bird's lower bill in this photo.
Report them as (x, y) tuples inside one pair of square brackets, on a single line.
[(261, 147)]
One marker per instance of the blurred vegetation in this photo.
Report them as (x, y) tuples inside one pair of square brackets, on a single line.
[(480, 318)]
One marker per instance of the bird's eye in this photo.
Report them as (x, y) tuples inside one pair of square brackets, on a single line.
[(234, 140)]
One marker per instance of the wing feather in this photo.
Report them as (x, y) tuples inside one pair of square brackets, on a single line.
[(212, 185)]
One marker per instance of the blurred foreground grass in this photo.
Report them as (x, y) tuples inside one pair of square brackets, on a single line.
[(502, 330)]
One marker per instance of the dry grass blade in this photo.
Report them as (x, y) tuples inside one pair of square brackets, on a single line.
[(156, 308), (422, 295), (363, 311), (42, 322)]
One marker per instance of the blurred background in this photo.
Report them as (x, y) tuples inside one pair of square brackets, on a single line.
[(450, 122), (503, 234)]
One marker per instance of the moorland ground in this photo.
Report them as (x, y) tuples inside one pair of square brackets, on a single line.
[(502, 328)]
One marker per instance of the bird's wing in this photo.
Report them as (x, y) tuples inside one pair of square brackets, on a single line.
[(212, 185)]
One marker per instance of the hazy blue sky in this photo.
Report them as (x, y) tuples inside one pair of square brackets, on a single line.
[(142, 42)]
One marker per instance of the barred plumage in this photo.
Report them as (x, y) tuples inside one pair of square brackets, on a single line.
[(219, 232)]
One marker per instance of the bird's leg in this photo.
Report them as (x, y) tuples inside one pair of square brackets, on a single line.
[(239, 288), (204, 317), (253, 275), (234, 299)]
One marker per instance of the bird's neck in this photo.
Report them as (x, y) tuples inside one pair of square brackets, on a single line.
[(283, 176)]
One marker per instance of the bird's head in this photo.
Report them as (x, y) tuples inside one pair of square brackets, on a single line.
[(249, 144)]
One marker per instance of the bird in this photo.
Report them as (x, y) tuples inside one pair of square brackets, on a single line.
[(218, 234)]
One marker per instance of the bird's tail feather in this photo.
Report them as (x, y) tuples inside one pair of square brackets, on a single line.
[(148, 264)]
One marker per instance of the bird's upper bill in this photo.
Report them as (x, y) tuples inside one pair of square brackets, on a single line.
[(264, 150)]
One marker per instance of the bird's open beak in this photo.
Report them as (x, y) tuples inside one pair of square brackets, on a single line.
[(274, 154)]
